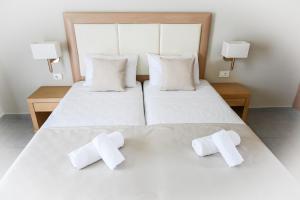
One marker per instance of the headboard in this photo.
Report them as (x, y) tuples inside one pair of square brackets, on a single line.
[(136, 33)]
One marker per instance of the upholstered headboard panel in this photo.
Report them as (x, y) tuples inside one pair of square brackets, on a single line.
[(139, 39), (161, 33)]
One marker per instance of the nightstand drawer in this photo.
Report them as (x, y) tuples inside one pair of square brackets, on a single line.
[(44, 107), (236, 102)]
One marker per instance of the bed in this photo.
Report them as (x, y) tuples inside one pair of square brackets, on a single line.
[(204, 105), (160, 162), (83, 108)]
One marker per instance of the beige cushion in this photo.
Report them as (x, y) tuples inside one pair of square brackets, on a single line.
[(108, 74), (177, 74)]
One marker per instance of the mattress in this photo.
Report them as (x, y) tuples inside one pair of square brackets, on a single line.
[(204, 105), (160, 165), (80, 107)]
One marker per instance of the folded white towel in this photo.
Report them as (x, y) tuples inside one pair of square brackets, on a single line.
[(205, 146), (108, 151), (88, 154), (227, 148)]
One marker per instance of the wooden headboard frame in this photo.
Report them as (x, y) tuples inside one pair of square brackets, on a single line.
[(71, 18)]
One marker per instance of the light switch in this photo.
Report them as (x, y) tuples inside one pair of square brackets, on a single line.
[(224, 74), (57, 76)]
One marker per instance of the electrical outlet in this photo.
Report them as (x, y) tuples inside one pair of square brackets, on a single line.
[(57, 76), (224, 74)]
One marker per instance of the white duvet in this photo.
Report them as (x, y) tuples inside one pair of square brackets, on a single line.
[(204, 105), (160, 165), (80, 107)]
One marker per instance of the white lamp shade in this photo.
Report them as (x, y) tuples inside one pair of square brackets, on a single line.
[(47, 50), (235, 49)]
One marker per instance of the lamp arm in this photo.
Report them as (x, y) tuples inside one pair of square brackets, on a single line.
[(232, 63), (50, 63), (231, 60)]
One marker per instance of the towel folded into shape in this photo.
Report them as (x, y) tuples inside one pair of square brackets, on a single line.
[(227, 148), (108, 151), (205, 146), (88, 154)]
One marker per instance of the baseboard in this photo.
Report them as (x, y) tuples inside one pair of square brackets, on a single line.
[(297, 100), (15, 116), (282, 106), (19, 113)]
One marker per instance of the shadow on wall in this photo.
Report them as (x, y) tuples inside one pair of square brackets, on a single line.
[(297, 100), (7, 101)]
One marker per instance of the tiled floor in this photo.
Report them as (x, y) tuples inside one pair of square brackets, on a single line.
[(15, 133), (278, 128)]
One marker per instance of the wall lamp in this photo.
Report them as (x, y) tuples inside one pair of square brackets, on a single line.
[(49, 51), (235, 49)]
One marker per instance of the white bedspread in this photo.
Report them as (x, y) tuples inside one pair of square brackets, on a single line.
[(160, 165), (83, 108), (204, 105)]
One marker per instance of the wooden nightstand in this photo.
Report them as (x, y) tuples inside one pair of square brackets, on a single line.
[(236, 95), (43, 101)]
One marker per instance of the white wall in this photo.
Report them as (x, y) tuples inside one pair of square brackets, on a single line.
[(297, 100), (272, 70), (1, 110), (2, 92)]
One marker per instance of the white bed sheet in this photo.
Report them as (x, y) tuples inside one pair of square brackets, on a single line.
[(160, 165), (204, 105), (81, 107)]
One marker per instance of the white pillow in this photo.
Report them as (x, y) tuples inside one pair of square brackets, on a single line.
[(177, 74), (155, 67), (108, 75), (130, 74)]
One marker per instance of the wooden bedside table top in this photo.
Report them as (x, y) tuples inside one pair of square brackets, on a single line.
[(231, 90), (49, 92)]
